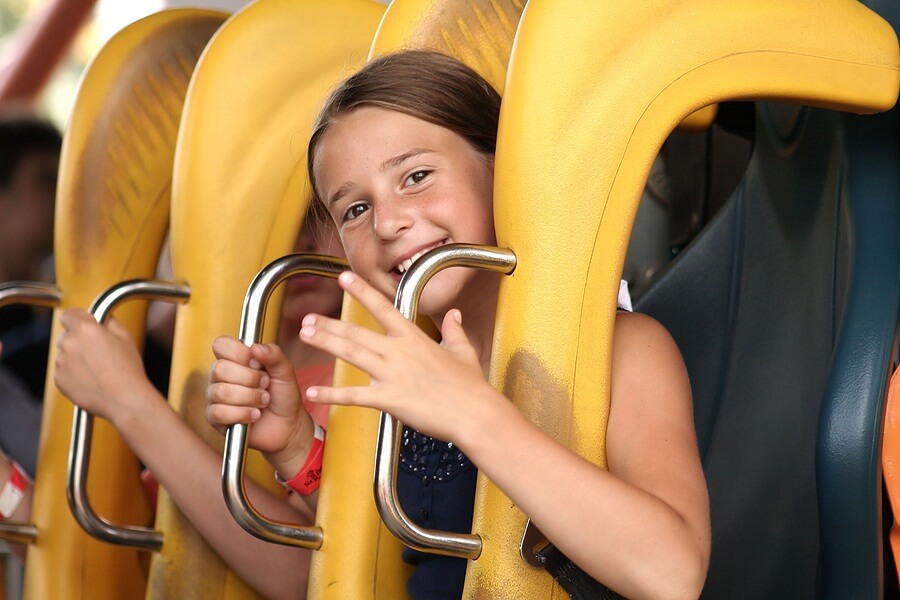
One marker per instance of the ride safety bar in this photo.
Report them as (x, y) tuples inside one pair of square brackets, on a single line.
[(252, 319), (390, 430), (83, 425)]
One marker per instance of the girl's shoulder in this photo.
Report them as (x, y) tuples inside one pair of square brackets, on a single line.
[(639, 335), (646, 361)]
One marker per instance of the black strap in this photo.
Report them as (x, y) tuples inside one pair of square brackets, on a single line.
[(578, 584)]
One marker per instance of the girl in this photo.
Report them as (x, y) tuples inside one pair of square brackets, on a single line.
[(401, 159)]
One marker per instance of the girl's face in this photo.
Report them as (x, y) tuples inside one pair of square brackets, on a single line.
[(308, 293), (397, 186)]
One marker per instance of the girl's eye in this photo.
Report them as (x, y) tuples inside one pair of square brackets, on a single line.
[(354, 212), (416, 177)]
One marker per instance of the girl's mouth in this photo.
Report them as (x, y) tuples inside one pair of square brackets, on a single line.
[(404, 265)]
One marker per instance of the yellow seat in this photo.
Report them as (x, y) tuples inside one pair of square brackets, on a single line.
[(567, 210), (239, 194), (112, 213)]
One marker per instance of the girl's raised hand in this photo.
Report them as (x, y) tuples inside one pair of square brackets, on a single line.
[(431, 387), (257, 385)]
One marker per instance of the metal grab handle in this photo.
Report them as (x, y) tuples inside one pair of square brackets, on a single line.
[(252, 318), (18, 533), (390, 430), (83, 425), (29, 292), (35, 294)]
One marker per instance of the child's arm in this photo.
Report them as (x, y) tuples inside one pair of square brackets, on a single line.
[(100, 369), (641, 528)]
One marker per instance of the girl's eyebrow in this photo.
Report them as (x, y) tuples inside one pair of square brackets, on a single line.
[(340, 193), (401, 158), (390, 163)]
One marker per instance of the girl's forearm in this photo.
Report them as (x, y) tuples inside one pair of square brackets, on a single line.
[(622, 536), (190, 470)]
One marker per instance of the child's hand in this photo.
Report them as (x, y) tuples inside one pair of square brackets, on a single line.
[(257, 385), (432, 388), (98, 367)]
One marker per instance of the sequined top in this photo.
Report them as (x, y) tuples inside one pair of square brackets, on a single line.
[(436, 486)]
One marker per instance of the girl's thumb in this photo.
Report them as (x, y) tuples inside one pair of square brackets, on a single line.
[(452, 330)]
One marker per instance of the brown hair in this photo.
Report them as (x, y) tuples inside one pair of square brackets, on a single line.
[(420, 83)]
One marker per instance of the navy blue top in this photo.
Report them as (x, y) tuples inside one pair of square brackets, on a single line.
[(436, 486)]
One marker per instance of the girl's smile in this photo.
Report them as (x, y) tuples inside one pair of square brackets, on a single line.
[(397, 186)]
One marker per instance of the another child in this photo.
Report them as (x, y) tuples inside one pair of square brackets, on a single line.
[(99, 369), (401, 159)]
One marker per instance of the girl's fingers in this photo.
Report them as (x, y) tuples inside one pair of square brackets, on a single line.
[(222, 415), (273, 359), (353, 351), (231, 349), (374, 301), (226, 371), (346, 396), (344, 329), (227, 394), (71, 317), (117, 329)]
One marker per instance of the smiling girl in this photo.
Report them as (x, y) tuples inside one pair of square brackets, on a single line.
[(401, 159)]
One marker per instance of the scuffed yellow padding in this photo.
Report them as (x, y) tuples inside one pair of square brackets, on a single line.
[(111, 217), (594, 89)]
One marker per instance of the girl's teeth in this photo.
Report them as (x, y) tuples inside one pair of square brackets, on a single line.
[(406, 264)]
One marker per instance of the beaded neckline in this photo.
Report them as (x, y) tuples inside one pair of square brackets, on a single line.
[(433, 459)]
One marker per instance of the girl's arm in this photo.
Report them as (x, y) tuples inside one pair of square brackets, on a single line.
[(100, 369), (641, 528)]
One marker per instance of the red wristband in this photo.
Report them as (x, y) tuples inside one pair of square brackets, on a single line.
[(13, 491), (306, 481)]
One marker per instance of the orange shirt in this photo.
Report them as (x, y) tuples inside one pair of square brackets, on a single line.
[(315, 375)]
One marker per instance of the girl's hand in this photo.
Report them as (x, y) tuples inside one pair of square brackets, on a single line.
[(98, 367), (433, 388), (257, 385)]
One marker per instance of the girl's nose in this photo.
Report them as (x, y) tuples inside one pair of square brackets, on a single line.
[(392, 218)]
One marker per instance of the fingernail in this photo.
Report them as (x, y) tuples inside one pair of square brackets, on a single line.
[(346, 277), (312, 392), (264, 399), (255, 414), (457, 316), (307, 331), (264, 381), (255, 364), (308, 320)]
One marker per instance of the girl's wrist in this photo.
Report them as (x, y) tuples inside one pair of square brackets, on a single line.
[(305, 480), (288, 461), (141, 405)]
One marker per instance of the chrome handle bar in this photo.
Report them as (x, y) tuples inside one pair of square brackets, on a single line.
[(83, 425), (35, 294), (390, 430), (252, 319), (28, 292)]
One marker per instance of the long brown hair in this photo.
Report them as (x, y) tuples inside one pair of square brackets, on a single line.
[(421, 83)]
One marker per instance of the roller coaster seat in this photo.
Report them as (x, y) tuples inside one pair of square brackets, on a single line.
[(785, 308)]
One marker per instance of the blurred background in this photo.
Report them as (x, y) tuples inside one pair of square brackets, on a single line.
[(89, 24)]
